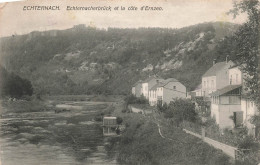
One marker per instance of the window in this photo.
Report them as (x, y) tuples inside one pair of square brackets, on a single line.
[(234, 100), (205, 84), (252, 104), (174, 87), (236, 78), (230, 81)]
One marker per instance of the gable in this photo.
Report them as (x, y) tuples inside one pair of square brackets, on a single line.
[(217, 67)]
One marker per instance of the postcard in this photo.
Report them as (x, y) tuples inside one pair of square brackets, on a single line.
[(129, 82)]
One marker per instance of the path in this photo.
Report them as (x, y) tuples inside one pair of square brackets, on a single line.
[(228, 150)]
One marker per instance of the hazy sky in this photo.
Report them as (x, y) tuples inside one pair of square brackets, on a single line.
[(175, 14)]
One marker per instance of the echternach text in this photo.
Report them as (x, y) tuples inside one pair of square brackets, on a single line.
[(41, 8)]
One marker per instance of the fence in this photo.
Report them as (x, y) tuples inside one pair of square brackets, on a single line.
[(228, 150)]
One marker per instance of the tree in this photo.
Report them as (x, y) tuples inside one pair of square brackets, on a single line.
[(180, 110), (12, 85), (119, 120), (247, 45)]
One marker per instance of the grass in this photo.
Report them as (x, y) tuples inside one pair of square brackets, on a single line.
[(141, 143), (146, 146), (21, 106)]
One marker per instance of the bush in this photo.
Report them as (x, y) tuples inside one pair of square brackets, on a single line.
[(179, 110), (119, 120), (131, 99)]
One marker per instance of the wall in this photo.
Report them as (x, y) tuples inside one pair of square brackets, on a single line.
[(169, 93), (145, 90), (146, 86), (235, 76), (225, 111), (133, 90), (222, 79), (207, 85), (160, 92), (215, 112), (138, 88), (152, 97)]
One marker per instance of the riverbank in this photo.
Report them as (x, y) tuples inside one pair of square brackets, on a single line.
[(142, 143)]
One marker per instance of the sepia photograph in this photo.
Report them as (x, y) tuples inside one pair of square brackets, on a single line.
[(129, 82)]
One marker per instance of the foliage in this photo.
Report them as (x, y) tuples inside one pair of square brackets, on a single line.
[(14, 86), (131, 99), (162, 108), (180, 110), (119, 120), (248, 143), (247, 45), (66, 66), (137, 147)]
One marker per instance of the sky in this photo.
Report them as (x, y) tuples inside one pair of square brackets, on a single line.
[(175, 14)]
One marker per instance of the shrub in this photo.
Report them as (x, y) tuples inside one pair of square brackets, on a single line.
[(119, 120), (131, 99)]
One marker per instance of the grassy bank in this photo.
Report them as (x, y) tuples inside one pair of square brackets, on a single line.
[(19, 106), (142, 144)]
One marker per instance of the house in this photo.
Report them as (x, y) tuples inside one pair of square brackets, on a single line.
[(153, 95), (248, 106), (230, 106), (235, 76), (226, 106), (197, 92), (136, 88), (215, 78), (109, 126), (148, 84), (169, 89)]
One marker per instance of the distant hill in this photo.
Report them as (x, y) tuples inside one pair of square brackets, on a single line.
[(84, 60)]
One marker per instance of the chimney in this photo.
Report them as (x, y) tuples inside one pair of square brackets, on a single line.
[(227, 59), (214, 61)]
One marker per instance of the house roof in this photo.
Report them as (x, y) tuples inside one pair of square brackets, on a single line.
[(155, 87), (165, 82), (138, 82), (224, 90), (215, 68)]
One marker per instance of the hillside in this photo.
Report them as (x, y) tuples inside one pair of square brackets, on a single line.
[(84, 60)]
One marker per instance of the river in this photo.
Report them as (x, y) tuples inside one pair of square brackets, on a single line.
[(70, 137)]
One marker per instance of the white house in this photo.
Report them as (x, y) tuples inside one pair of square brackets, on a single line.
[(225, 105), (148, 84), (232, 101), (215, 78), (235, 76), (153, 95), (170, 89), (248, 106)]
